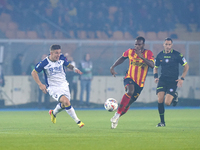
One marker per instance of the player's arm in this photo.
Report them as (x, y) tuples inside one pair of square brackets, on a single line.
[(185, 70), (150, 63), (76, 70), (155, 73), (155, 69), (37, 80), (118, 62)]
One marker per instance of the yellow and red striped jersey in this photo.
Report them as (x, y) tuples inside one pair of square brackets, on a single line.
[(138, 69)]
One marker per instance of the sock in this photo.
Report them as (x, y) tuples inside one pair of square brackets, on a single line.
[(70, 110), (57, 109), (161, 111), (124, 102)]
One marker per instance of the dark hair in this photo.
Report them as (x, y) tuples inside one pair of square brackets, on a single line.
[(55, 47), (168, 39), (140, 38)]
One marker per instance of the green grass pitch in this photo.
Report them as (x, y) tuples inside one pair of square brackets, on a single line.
[(33, 130)]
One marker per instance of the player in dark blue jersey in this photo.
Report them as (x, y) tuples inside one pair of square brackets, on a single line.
[(169, 60)]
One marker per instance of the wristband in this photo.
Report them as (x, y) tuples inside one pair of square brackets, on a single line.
[(182, 78), (74, 69), (155, 75)]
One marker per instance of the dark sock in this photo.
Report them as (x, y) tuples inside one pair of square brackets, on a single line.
[(161, 111)]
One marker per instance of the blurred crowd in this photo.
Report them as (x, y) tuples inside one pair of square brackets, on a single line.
[(104, 15)]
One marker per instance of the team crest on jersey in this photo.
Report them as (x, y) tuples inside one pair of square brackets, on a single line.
[(166, 60)]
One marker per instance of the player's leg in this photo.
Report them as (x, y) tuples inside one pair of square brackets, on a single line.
[(136, 92), (161, 108), (161, 88), (70, 110), (172, 95), (124, 102)]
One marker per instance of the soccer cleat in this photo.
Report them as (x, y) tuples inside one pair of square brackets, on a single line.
[(53, 117), (115, 118), (175, 100), (161, 124), (80, 124), (114, 125)]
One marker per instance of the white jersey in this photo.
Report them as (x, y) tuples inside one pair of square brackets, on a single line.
[(54, 72)]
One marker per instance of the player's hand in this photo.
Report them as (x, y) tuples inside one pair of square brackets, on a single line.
[(139, 52), (112, 71), (156, 80), (76, 70), (179, 83), (43, 88)]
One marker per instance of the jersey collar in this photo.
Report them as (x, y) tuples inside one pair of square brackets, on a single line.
[(170, 51)]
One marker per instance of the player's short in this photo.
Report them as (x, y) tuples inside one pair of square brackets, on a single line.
[(128, 81), (57, 91), (169, 87)]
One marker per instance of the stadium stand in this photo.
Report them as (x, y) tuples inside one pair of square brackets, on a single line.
[(84, 20)]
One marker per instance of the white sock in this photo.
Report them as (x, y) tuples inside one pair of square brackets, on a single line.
[(117, 115), (57, 109), (70, 110)]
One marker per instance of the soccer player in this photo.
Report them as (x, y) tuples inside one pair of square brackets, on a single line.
[(140, 60), (56, 83), (168, 82)]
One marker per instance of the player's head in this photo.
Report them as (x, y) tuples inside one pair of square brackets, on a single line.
[(168, 44), (55, 51), (139, 43)]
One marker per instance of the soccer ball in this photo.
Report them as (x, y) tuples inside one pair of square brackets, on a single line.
[(111, 104)]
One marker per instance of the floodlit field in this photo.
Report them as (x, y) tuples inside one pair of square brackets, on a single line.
[(28, 130)]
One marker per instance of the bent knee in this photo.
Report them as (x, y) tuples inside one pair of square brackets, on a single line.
[(167, 103)]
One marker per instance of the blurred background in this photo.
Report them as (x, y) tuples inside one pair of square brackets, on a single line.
[(104, 29)]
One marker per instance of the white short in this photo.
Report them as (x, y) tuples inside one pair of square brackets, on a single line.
[(56, 92)]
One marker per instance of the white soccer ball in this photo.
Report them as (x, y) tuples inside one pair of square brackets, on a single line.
[(111, 104)]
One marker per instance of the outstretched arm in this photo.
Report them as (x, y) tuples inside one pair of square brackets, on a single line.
[(118, 62), (37, 80), (76, 70)]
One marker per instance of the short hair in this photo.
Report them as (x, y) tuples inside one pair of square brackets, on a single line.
[(140, 38), (55, 47), (168, 39)]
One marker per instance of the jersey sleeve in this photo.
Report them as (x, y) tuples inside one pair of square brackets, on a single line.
[(157, 61), (150, 56), (125, 54), (62, 57), (40, 66), (182, 59)]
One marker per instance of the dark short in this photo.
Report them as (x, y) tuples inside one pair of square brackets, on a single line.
[(169, 87), (128, 81)]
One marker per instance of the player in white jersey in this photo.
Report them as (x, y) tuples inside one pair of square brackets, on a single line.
[(56, 83)]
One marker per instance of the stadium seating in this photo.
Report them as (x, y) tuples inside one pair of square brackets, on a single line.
[(21, 35), (151, 36), (32, 35), (162, 35), (118, 35)]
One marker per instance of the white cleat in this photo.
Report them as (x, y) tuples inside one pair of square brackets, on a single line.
[(114, 125), (114, 121)]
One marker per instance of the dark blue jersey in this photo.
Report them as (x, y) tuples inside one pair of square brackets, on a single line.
[(169, 63)]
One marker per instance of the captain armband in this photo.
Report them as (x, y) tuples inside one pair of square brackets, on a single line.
[(155, 75)]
